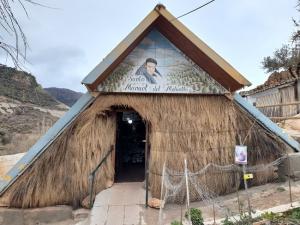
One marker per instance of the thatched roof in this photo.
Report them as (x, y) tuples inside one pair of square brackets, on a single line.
[(66, 121), (207, 131)]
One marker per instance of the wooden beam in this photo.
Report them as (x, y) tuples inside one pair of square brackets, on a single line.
[(284, 118), (280, 104)]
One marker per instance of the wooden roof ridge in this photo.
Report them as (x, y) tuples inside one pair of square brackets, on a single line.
[(182, 38)]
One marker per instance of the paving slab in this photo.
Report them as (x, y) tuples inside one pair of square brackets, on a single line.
[(98, 215), (133, 215), (115, 215)]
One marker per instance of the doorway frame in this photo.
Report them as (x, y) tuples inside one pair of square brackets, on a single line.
[(122, 109), (118, 109)]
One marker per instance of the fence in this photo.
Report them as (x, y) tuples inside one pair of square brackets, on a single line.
[(280, 111)]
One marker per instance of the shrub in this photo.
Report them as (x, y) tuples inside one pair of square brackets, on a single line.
[(6, 139), (281, 189), (243, 220), (227, 221), (273, 217), (295, 214), (175, 222), (196, 216)]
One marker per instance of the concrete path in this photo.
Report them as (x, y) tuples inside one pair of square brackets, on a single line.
[(122, 204)]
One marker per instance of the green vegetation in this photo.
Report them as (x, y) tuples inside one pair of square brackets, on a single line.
[(290, 217), (175, 222), (281, 189), (295, 214), (227, 221), (243, 220), (5, 138), (272, 217), (196, 216), (23, 87)]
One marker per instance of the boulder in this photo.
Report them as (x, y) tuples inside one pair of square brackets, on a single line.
[(155, 203), (85, 203)]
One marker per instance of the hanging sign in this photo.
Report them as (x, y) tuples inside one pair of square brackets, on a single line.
[(241, 154)]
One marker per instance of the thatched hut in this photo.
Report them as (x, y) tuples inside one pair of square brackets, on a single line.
[(160, 96)]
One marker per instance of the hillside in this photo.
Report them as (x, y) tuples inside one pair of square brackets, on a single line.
[(26, 110), (64, 95), (23, 87)]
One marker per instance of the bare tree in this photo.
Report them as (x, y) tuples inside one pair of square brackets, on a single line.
[(10, 29)]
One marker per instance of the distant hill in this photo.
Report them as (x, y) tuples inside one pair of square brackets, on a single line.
[(64, 95), (22, 86)]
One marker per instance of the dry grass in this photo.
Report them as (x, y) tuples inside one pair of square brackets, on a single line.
[(203, 129)]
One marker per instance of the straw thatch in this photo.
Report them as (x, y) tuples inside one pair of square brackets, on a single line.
[(203, 129)]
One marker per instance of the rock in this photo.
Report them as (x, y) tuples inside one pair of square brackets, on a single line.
[(85, 203), (109, 183), (155, 203)]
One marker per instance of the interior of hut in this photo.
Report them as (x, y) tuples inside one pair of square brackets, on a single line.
[(130, 147)]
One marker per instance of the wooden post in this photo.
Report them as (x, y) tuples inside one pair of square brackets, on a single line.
[(147, 164), (246, 188), (91, 180), (161, 194), (214, 212), (237, 192), (289, 176), (187, 190), (297, 95)]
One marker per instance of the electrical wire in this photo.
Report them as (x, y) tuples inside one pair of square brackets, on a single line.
[(207, 3)]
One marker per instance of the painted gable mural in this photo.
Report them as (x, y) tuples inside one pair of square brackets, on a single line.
[(157, 66)]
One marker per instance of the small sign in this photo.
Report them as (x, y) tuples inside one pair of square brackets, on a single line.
[(241, 154), (248, 176)]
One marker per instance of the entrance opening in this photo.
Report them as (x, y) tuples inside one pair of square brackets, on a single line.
[(130, 147)]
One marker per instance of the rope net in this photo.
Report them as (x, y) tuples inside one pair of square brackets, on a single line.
[(179, 187)]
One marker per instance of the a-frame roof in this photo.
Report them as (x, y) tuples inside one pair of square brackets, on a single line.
[(182, 38)]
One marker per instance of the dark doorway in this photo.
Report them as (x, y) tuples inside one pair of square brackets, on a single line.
[(130, 147)]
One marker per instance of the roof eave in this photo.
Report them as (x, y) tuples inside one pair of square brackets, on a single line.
[(205, 48), (120, 48)]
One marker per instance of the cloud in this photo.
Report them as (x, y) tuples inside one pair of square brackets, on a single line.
[(58, 66)]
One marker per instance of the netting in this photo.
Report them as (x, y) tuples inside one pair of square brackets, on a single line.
[(180, 187)]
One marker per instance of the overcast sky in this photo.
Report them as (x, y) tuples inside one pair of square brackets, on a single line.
[(68, 42)]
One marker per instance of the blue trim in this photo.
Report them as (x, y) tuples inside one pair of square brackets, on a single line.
[(41, 145), (266, 122)]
